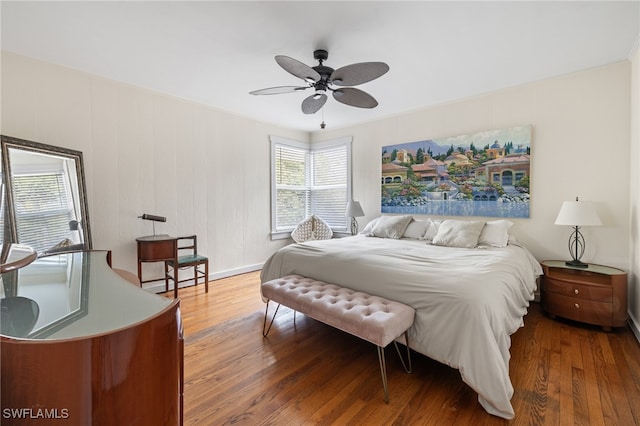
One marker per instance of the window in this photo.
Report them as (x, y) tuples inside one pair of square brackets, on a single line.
[(44, 206), (309, 179)]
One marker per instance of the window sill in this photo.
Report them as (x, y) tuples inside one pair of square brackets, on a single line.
[(282, 235)]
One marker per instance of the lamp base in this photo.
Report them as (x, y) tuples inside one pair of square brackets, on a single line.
[(354, 226), (576, 248), (576, 264)]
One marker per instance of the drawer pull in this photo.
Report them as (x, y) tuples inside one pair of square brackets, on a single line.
[(576, 291), (577, 306)]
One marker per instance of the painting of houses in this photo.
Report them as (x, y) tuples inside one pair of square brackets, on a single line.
[(481, 174)]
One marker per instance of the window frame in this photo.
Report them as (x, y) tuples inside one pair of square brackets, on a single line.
[(276, 141)]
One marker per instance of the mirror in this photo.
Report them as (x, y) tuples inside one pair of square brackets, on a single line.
[(45, 202), (4, 229)]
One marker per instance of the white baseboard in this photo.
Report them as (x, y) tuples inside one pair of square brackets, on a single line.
[(634, 326), (158, 286), (236, 271)]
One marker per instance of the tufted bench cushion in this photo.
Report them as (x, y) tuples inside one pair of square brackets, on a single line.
[(372, 318)]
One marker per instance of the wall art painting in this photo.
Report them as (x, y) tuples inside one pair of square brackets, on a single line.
[(480, 174)]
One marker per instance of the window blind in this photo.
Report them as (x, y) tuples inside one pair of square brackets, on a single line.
[(329, 185), (309, 180), (43, 209), (291, 180)]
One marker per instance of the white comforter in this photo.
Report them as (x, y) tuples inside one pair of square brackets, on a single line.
[(468, 301)]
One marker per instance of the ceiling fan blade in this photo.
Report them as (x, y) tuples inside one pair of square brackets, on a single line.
[(313, 103), (278, 90), (354, 74), (298, 69), (355, 97)]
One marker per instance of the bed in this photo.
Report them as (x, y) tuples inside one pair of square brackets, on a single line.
[(468, 301)]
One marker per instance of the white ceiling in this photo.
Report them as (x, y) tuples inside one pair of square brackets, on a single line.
[(216, 52)]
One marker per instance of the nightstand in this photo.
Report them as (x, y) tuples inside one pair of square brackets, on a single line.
[(594, 295)]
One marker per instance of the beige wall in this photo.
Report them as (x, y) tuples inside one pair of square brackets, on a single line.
[(580, 147), (207, 171), (634, 194)]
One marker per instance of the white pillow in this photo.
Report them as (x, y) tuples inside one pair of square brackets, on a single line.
[(391, 226), (417, 229), (458, 233), (312, 228), (367, 229), (495, 233), (434, 226)]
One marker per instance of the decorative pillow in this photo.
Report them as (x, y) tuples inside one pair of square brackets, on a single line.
[(64, 243), (369, 228), (312, 228), (432, 231), (417, 229), (391, 226), (458, 233), (495, 233)]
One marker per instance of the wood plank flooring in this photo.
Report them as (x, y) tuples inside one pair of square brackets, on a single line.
[(307, 373)]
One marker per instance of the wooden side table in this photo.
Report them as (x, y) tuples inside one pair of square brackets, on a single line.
[(157, 248), (594, 295)]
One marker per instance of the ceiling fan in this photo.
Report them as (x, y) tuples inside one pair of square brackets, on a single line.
[(323, 78)]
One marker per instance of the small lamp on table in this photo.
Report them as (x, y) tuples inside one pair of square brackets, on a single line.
[(354, 210), (577, 214), (153, 218)]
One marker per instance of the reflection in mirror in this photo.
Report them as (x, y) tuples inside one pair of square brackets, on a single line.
[(4, 223), (46, 297), (45, 197), (16, 256)]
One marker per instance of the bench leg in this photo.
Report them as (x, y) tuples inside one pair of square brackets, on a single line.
[(383, 370), (383, 365), (265, 330), (408, 363)]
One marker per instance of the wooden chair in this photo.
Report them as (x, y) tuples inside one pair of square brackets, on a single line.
[(186, 257)]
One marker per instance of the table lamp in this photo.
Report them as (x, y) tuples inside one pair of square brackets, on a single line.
[(576, 214), (354, 210), (153, 218)]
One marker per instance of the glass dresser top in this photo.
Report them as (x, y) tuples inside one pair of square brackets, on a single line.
[(71, 295)]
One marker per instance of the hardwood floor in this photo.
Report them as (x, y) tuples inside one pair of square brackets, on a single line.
[(308, 373)]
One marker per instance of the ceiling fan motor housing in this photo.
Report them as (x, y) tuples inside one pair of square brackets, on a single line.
[(324, 71)]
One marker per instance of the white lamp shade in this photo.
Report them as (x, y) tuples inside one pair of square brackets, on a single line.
[(578, 213), (354, 209)]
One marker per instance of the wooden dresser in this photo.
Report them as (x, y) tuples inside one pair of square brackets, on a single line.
[(594, 295), (80, 345)]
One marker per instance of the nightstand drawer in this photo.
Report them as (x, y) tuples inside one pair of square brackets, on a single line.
[(581, 291), (599, 313)]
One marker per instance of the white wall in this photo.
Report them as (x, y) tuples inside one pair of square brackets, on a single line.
[(580, 147), (206, 170), (634, 194)]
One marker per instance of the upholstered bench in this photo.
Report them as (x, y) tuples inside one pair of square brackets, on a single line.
[(372, 318)]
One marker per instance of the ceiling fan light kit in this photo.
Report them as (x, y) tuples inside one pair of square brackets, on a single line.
[(323, 78)]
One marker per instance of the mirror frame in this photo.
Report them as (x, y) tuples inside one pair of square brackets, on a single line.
[(9, 142)]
